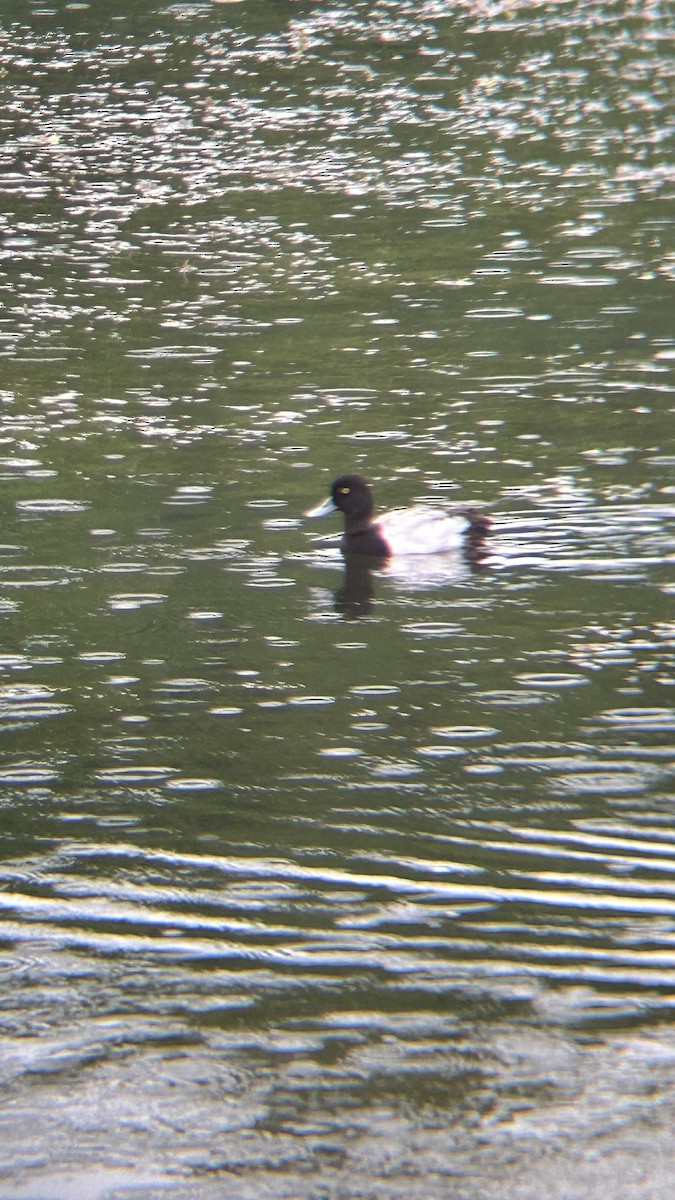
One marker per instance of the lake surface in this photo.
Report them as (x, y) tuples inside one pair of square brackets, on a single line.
[(315, 884)]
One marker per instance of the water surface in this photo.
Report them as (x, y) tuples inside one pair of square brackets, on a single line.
[(322, 883)]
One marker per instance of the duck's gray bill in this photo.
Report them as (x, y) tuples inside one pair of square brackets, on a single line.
[(322, 510)]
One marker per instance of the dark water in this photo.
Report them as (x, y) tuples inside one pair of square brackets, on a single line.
[(314, 885)]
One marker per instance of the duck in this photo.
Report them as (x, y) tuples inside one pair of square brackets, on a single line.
[(403, 531)]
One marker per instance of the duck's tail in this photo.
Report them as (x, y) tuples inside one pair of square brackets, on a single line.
[(476, 536)]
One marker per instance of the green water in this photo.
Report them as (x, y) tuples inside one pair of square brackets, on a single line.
[(319, 883)]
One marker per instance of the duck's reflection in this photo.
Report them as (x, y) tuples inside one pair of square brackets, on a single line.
[(356, 595)]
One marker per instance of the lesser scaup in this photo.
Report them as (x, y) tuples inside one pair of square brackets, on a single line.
[(417, 530)]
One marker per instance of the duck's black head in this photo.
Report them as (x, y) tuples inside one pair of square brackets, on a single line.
[(353, 497)]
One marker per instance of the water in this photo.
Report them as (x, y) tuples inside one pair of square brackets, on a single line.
[(319, 883)]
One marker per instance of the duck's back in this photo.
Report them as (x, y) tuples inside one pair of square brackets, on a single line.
[(424, 530)]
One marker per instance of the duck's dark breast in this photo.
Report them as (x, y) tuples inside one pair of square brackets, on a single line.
[(367, 541)]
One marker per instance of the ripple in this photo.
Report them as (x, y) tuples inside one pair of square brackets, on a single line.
[(21, 776), (270, 581), (464, 732), (193, 784), (124, 568), (340, 752), (185, 499), (514, 699), (493, 314), (383, 768), (26, 703), (335, 397), (375, 689), (621, 895), (101, 656), (185, 684), (383, 435), (645, 719), (200, 353), (433, 629), (132, 601), (282, 523), (39, 577), (20, 464), (53, 506), (604, 783), (23, 691), (441, 751), (483, 769), (560, 679), (578, 280), (39, 711), (131, 775)]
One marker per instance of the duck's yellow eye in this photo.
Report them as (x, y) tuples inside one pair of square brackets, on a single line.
[(344, 491)]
